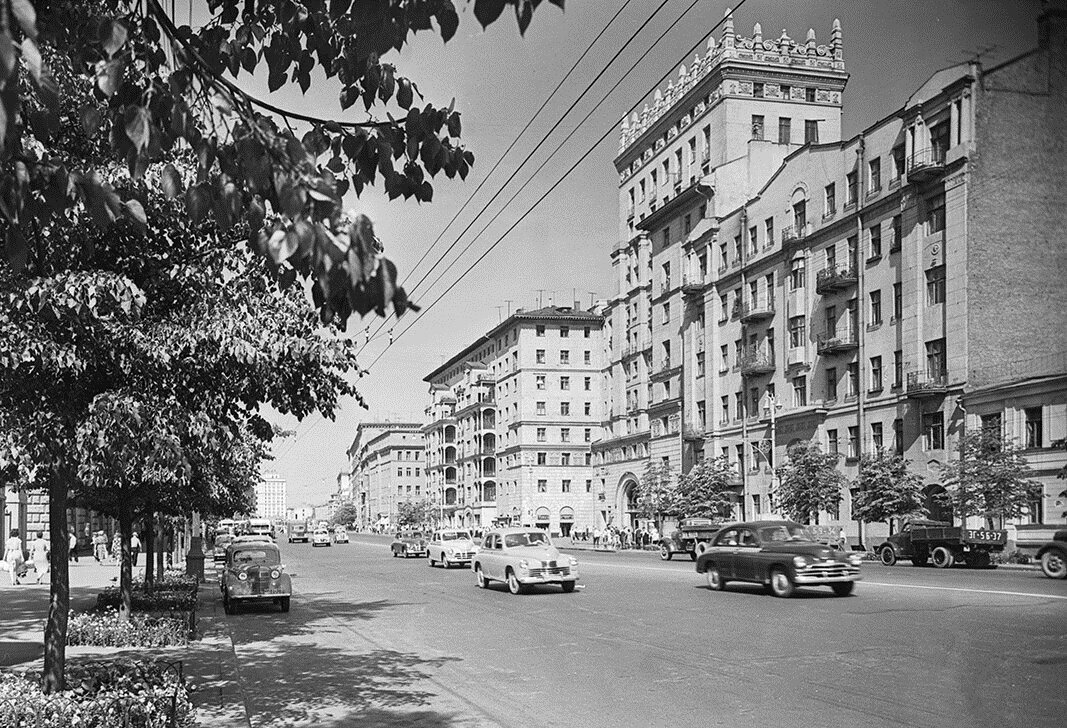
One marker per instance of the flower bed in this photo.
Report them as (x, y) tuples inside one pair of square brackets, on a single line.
[(101, 694), (168, 595), (104, 629)]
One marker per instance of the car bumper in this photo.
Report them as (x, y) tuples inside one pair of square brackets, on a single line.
[(528, 578), (834, 577)]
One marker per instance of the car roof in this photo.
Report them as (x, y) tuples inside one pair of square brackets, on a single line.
[(268, 545), (761, 524), (507, 531)]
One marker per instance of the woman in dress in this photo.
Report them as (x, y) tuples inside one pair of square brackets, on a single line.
[(39, 556), (13, 555)]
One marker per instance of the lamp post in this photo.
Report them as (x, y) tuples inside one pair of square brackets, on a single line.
[(773, 405)]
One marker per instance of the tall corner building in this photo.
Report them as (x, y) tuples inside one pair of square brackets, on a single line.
[(776, 283), (511, 422), (385, 463), (271, 494)]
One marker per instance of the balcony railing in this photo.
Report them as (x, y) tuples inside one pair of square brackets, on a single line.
[(926, 163), (926, 384), (835, 279), (692, 285), (693, 431), (755, 362), (757, 310), (837, 343), (794, 233)]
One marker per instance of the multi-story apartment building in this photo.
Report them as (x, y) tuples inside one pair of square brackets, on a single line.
[(271, 497), (865, 293), (511, 421), (386, 463)]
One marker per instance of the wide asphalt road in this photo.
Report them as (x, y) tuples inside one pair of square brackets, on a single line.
[(377, 641)]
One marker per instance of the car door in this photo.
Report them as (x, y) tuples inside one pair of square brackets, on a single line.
[(747, 555), (724, 548), (489, 555)]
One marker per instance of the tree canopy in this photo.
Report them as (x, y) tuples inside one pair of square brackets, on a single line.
[(413, 514), (706, 491), (656, 491), (886, 489), (346, 514), (990, 479), (809, 483)]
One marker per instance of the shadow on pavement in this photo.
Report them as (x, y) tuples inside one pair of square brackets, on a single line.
[(23, 611)]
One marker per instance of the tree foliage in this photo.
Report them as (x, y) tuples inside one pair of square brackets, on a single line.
[(346, 514), (102, 67), (413, 514), (656, 492), (886, 489), (706, 491), (991, 478), (809, 483)]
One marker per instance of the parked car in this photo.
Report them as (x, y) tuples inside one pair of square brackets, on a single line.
[(781, 555), (254, 573), (410, 544), (521, 557), (691, 537), (1053, 556), (222, 540), (253, 538), (450, 546), (340, 535)]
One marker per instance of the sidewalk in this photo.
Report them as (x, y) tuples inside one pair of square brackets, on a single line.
[(209, 663)]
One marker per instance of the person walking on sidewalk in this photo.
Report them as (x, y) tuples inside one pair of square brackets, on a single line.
[(100, 547), (73, 546), (116, 547), (135, 547), (13, 555), (39, 556)]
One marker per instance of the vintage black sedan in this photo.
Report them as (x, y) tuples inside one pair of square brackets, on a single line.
[(781, 555), (409, 544), (254, 573)]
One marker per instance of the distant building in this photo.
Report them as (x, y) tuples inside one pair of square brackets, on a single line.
[(271, 497), (512, 418), (386, 463), (777, 284)]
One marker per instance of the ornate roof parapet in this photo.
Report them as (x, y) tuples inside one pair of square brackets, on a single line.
[(782, 53)]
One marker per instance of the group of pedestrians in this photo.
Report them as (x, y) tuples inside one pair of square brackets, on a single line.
[(611, 537), (15, 561)]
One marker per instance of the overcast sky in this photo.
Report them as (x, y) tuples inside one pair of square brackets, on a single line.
[(499, 79)]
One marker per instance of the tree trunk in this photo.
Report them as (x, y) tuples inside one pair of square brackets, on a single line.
[(53, 678), (125, 564), (160, 547), (149, 550)]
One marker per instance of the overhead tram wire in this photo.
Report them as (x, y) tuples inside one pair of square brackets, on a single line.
[(556, 184), (378, 333)]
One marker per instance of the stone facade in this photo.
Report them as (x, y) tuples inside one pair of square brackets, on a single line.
[(386, 462)]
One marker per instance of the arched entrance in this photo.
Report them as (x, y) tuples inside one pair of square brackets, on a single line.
[(566, 521), (542, 518), (626, 509)]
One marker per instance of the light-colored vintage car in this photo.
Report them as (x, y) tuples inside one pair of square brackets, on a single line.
[(522, 557), (321, 537), (340, 535), (254, 573), (450, 546)]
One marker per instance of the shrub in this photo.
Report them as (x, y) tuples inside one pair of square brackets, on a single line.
[(176, 598), (100, 694), (104, 629), (1015, 557)]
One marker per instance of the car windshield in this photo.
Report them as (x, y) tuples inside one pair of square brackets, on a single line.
[(223, 540), (455, 536), (785, 532), (530, 538), (269, 557)]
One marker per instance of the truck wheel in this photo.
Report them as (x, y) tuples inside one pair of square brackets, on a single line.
[(1054, 564), (665, 552), (942, 557), (887, 555)]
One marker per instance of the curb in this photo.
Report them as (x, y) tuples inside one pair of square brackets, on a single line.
[(219, 696)]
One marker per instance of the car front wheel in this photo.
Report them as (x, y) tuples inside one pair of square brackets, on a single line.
[(479, 577), (284, 604), (429, 560), (888, 555), (665, 553), (514, 585), (1054, 564), (781, 583), (715, 580), (843, 589)]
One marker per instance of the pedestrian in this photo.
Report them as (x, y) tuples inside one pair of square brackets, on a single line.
[(135, 547), (99, 547), (39, 551), (596, 537), (116, 547), (13, 555), (73, 555)]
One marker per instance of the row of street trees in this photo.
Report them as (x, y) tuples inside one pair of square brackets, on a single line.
[(155, 218), (990, 480)]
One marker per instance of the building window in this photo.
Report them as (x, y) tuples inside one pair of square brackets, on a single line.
[(564, 383), (564, 458), (540, 356), (587, 383), (876, 308), (831, 442), (898, 368), (935, 358), (753, 240), (1034, 433), (587, 332), (588, 486), (898, 436), (809, 94), (933, 431), (853, 442), (797, 334), (898, 231), (898, 301), (876, 436), (589, 458), (700, 363), (876, 373), (831, 383), (724, 359), (564, 357), (587, 434), (666, 313), (724, 409), (768, 228), (565, 408), (786, 91), (800, 216), (588, 408), (811, 132), (993, 425), (564, 332), (935, 214), (400, 472), (853, 379), (565, 434), (539, 380), (935, 285), (831, 200), (874, 170), (876, 240), (850, 188), (541, 408), (566, 487), (784, 124), (739, 405), (542, 458), (542, 486), (757, 127), (796, 274), (757, 90), (541, 434), (540, 331), (898, 162), (799, 392)]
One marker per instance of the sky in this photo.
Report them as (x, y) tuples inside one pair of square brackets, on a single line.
[(560, 252)]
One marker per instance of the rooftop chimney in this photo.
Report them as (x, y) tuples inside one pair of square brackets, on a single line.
[(577, 305)]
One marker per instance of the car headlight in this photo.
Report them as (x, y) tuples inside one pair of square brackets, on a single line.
[(574, 561), (855, 559), (449, 551), (800, 561), (275, 574), (243, 576), (524, 564)]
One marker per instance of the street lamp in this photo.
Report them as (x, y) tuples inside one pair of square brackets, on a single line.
[(771, 407)]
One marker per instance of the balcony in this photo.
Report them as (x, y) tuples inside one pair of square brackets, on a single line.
[(693, 431), (692, 286), (835, 279), (756, 362), (753, 311), (837, 343), (794, 233), (926, 164), (921, 385)]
